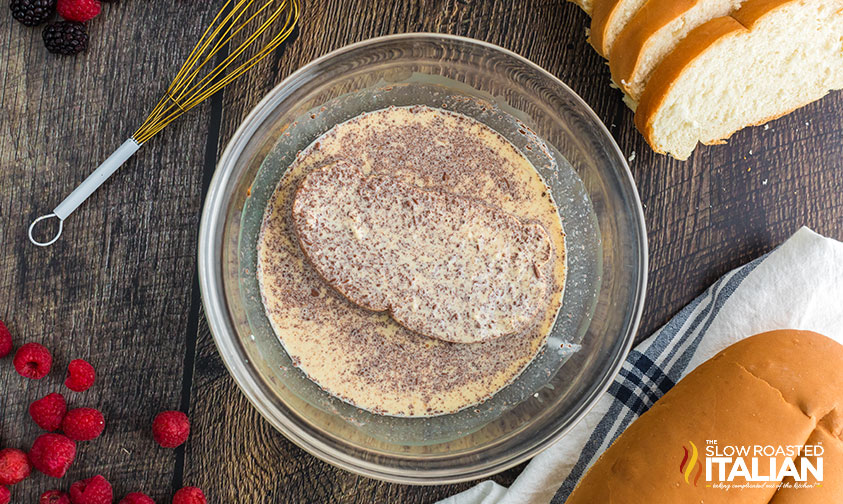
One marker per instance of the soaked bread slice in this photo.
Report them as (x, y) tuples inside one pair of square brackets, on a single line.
[(767, 59), (445, 266)]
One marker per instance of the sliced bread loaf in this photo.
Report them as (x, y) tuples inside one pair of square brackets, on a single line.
[(765, 60), (445, 266), (608, 18), (653, 32)]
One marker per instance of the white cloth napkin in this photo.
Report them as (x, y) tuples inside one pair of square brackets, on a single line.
[(799, 285)]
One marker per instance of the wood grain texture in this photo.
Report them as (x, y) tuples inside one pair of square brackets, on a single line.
[(116, 289), (120, 287)]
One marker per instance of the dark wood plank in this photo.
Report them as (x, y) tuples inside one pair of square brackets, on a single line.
[(116, 288), (729, 205)]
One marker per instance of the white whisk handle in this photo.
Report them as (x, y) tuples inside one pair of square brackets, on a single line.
[(96, 179), (86, 188)]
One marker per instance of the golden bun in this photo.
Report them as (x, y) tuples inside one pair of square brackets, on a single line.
[(779, 388)]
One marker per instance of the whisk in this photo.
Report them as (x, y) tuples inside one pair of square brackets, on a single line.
[(269, 23)]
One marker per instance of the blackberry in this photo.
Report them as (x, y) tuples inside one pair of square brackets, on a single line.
[(32, 12), (65, 37)]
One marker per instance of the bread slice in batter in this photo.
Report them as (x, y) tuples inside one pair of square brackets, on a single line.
[(445, 266)]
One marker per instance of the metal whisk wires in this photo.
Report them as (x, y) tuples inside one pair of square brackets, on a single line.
[(238, 26), (279, 17)]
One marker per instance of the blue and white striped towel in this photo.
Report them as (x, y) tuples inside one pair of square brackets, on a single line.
[(798, 285)]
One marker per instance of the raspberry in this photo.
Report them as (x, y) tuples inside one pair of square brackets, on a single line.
[(5, 495), (83, 424), (54, 497), (33, 361), (14, 466), (78, 10), (170, 428), (96, 490), (48, 411), (65, 37), (52, 454), (137, 498), (80, 375), (189, 495), (5, 340)]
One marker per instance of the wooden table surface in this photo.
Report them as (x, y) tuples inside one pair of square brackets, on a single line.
[(120, 288)]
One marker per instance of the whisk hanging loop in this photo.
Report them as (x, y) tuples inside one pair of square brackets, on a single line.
[(253, 20)]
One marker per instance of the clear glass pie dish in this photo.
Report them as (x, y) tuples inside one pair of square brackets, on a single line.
[(588, 178)]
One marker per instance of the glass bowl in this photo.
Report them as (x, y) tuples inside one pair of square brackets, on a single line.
[(598, 203)]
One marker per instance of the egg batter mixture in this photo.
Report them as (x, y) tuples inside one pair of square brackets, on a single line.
[(363, 357)]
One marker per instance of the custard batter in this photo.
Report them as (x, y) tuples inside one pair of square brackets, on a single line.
[(363, 357)]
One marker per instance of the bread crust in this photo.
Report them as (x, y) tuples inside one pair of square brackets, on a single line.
[(753, 11), (831, 489), (601, 13), (699, 40), (636, 35), (781, 387), (670, 69)]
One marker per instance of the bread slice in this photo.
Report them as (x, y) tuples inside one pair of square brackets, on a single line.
[(445, 266), (767, 59), (653, 32), (608, 18)]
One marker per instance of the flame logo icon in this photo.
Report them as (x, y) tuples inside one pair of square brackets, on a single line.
[(686, 467)]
